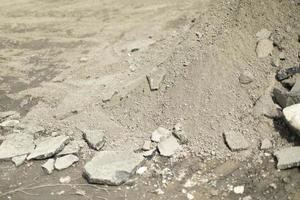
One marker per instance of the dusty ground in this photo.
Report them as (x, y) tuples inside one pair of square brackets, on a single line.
[(67, 64)]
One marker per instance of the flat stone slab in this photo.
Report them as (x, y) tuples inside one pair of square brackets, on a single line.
[(94, 138), (16, 144), (48, 147), (288, 157), (65, 162), (168, 146), (112, 167), (71, 148), (160, 133), (235, 141), (156, 77), (292, 117), (48, 166)]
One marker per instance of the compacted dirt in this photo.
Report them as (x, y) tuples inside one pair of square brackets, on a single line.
[(70, 64)]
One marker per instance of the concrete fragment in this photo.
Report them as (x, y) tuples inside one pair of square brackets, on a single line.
[(156, 77), (94, 138), (246, 77), (263, 34), (19, 160), (168, 146), (9, 123), (264, 48), (160, 133), (16, 144), (146, 145), (179, 133), (288, 157), (48, 166), (292, 117), (71, 148), (265, 144), (235, 141), (49, 147), (112, 167), (65, 161)]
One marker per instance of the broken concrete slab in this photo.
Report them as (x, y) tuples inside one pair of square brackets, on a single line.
[(160, 133), (288, 157), (266, 144), (65, 161), (168, 146), (9, 123), (16, 144), (112, 167), (71, 148), (264, 48), (19, 160), (94, 138), (49, 147), (235, 141), (292, 117), (48, 166), (155, 78)]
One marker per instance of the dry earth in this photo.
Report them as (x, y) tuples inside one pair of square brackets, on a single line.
[(75, 64)]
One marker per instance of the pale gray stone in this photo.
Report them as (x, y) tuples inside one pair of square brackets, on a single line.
[(288, 157), (265, 144), (71, 148), (19, 160), (235, 141), (160, 133), (264, 48), (48, 166), (94, 138), (168, 146), (263, 34), (156, 77), (246, 77), (112, 167), (65, 161), (146, 145)]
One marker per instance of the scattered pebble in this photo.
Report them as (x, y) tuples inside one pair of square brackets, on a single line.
[(239, 189), (65, 179), (141, 170)]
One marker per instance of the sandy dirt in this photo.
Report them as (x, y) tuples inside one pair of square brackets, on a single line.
[(75, 64)]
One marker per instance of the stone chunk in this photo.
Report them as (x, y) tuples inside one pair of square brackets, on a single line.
[(264, 48), (265, 106), (48, 166), (16, 144), (112, 167), (65, 161), (19, 160), (263, 34), (246, 77), (156, 77), (160, 133), (49, 147), (292, 117), (179, 133), (168, 146), (146, 145), (94, 138), (235, 141), (71, 148), (266, 144), (288, 157)]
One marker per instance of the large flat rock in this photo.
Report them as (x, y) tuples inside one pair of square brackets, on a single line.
[(16, 145), (112, 167), (288, 157), (49, 147)]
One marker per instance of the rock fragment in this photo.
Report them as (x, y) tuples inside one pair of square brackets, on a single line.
[(65, 162), (112, 167), (168, 146), (19, 160), (65, 179), (235, 141), (264, 48), (239, 189), (265, 144), (94, 138), (288, 157), (49, 147), (71, 148), (48, 166), (179, 133), (263, 34), (146, 145), (292, 117), (160, 133), (156, 77), (246, 77), (16, 144), (265, 106)]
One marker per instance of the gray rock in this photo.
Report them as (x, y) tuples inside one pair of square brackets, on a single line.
[(266, 144), (48, 166), (146, 145), (19, 160), (65, 162), (16, 145), (71, 148), (286, 98), (168, 146), (264, 48), (179, 133), (9, 123), (49, 147), (235, 141), (263, 34), (112, 167), (265, 106), (156, 77), (288, 157), (292, 117), (246, 77), (94, 138), (160, 133)]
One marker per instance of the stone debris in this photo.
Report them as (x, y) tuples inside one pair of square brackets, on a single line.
[(264, 48), (65, 161), (19, 160), (239, 189), (265, 106), (235, 141), (48, 166), (263, 34), (146, 145), (48, 147), (159, 191), (266, 144), (16, 144), (71, 148), (65, 180), (179, 133), (246, 77), (288, 157), (292, 117), (94, 138), (149, 153), (9, 123), (112, 167), (168, 146), (160, 133), (141, 170), (156, 77)]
